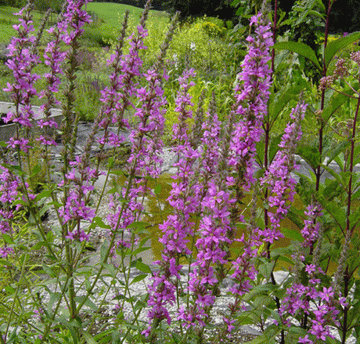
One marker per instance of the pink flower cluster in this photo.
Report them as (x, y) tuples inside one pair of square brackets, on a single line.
[(22, 61), (116, 99), (310, 232), (145, 153), (75, 17), (251, 94), (78, 183), (213, 232), (319, 303), (9, 192), (178, 226), (278, 177)]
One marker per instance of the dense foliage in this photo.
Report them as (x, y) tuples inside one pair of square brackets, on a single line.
[(258, 138)]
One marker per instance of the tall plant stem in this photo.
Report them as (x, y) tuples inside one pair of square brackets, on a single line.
[(267, 129), (318, 171), (351, 168), (274, 38), (322, 125), (349, 231)]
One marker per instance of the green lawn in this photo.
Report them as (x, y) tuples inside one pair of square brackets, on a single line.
[(107, 21), (103, 31)]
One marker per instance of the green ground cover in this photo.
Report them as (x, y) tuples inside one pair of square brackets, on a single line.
[(202, 45)]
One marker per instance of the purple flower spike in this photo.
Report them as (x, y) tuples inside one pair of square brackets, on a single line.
[(251, 94), (22, 61), (278, 177), (184, 200)]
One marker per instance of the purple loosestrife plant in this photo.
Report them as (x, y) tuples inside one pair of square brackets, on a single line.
[(178, 226), (278, 177), (251, 96), (22, 61), (144, 158), (213, 239), (311, 299), (215, 169)]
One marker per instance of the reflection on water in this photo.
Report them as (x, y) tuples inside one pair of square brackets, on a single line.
[(158, 209)]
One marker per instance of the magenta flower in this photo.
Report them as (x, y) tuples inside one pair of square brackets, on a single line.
[(183, 199), (251, 94), (278, 177), (22, 60)]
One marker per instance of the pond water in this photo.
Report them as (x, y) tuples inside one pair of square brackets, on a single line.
[(158, 209)]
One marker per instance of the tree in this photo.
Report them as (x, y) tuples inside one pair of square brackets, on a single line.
[(198, 8)]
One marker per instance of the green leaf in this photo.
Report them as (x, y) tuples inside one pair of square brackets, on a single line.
[(89, 338), (103, 250), (138, 279), (43, 194), (87, 303), (140, 249), (333, 47), (310, 154), (69, 326), (111, 162), (7, 238), (292, 234), (337, 213), (138, 224), (307, 12), (266, 269), (335, 151), (354, 218), (332, 189), (301, 49), (143, 267), (16, 169), (335, 103), (157, 189), (336, 175), (9, 289), (48, 270), (282, 98), (268, 337), (119, 173), (54, 297), (316, 14), (138, 227), (35, 171), (295, 217), (98, 222)]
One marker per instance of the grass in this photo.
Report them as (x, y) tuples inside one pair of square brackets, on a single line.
[(192, 47), (106, 17), (102, 32)]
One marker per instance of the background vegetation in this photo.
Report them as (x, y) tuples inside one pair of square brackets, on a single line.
[(215, 49)]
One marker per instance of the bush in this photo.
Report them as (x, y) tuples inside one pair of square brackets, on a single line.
[(44, 5)]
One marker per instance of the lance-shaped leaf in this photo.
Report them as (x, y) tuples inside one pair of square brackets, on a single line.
[(301, 49), (333, 47), (335, 103)]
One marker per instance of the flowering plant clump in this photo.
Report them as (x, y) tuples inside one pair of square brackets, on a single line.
[(235, 185)]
